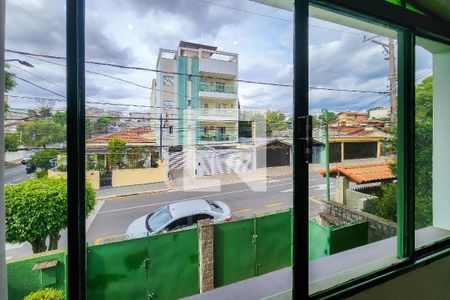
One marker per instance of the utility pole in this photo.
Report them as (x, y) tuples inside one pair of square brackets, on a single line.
[(389, 50), (327, 152)]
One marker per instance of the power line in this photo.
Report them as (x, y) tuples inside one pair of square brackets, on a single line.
[(38, 86), (185, 74)]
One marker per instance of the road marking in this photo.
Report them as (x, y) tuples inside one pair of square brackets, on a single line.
[(287, 191), (97, 241), (184, 199), (314, 200), (275, 204), (241, 211)]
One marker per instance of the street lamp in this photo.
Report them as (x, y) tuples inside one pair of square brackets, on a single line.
[(22, 62)]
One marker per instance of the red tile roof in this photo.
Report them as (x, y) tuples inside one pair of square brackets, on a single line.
[(132, 136), (364, 173)]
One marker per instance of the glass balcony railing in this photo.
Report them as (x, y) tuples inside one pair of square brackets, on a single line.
[(217, 87), (219, 112)]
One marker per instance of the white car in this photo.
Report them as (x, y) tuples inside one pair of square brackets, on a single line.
[(178, 215)]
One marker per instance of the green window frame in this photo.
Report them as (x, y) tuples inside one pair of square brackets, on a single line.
[(408, 24)]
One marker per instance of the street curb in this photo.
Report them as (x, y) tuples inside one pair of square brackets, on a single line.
[(131, 194)]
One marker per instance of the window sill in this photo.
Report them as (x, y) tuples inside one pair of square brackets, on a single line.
[(336, 269)]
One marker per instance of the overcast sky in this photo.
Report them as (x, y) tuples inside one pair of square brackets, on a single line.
[(131, 32)]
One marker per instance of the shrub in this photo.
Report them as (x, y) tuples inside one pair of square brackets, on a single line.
[(46, 294), (40, 174), (37, 209)]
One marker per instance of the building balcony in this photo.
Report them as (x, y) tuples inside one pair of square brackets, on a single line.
[(218, 114), (214, 90), (222, 68), (215, 137)]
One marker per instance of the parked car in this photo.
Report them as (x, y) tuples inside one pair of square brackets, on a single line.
[(26, 159), (30, 168), (178, 215)]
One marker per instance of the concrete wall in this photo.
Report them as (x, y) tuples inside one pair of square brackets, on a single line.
[(93, 177), (217, 66), (441, 139), (428, 282), (379, 228), (138, 176)]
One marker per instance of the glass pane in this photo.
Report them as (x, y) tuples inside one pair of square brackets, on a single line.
[(353, 100), (432, 65), (192, 117), (35, 140)]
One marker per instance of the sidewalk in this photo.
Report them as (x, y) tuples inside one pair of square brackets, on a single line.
[(194, 182), (110, 192), (222, 179)]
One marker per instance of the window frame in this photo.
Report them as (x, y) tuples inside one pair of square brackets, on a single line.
[(399, 19)]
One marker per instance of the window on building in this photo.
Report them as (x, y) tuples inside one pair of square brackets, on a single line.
[(170, 129), (168, 80)]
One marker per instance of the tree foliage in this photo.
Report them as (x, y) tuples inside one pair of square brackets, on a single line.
[(423, 161), (41, 132), (319, 120), (116, 152), (102, 124), (275, 120), (37, 209), (43, 159), (12, 141), (10, 83)]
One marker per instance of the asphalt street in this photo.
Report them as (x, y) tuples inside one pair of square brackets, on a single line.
[(112, 217), (16, 174)]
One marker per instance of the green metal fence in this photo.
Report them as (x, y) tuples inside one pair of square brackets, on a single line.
[(165, 266), (251, 247), (326, 241), (30, 274)]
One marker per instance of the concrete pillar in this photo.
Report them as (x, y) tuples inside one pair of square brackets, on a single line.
[(441, 138), (341, 190), (3, 275), (342, 151), (378, 149), (253, 132), (206, 255)]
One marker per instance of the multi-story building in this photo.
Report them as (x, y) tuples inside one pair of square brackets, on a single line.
[(194, 98)]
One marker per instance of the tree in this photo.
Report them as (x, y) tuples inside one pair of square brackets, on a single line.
[(37, 209), (42, 132), (275, 120), (43, 159), (88, 128), (101, 124), (116, 152), (320, 120), (10, 83), (12, 141), (60, 117), (423, 161)]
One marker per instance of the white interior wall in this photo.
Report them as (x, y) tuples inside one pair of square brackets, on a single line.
[(441, 139)]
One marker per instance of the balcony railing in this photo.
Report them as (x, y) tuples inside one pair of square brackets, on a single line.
[(218, 88), (219, 112), (217, 137)]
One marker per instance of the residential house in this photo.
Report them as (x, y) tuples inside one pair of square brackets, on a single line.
[(352, 142), (195, 92), (349, 119), (379, 113)]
